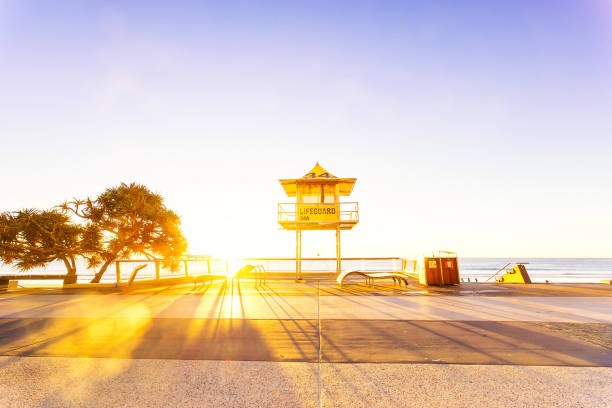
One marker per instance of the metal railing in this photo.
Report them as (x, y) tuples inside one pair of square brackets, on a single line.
[(189, 266), (325, 265), (129, 271), (345, 211)]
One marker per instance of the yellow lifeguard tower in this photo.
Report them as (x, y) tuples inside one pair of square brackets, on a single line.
[(317, 207)]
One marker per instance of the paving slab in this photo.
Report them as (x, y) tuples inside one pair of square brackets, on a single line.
[(263, 305), (516, 308), (52, 382), (464, 342), (459, 342), (83, 382), (162, 338), (445, 385), (207, 306)]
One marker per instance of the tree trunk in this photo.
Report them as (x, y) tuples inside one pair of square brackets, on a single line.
[(69, 268), (71, 277), (98, 276), (73, 263)]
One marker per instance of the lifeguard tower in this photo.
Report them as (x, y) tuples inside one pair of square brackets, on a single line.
[(317, 207)]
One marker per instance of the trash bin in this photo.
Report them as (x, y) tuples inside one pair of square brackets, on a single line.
[(442, 270)]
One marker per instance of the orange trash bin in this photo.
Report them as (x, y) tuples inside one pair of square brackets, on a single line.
[(440, 270)]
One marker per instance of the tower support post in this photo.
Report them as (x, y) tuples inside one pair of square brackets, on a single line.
[(338, 254), (298, 254)]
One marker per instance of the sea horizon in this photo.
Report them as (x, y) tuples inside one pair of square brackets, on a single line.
[(540, 269)]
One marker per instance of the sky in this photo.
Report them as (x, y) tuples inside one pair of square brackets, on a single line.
[(480, 127)]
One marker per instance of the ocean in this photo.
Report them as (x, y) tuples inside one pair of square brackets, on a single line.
[(540, 269), (580, 270)]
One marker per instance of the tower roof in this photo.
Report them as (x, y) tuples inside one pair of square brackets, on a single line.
[(318, 172), (318, 175)]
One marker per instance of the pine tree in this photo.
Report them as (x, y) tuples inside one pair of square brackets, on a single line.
[(131, 220)]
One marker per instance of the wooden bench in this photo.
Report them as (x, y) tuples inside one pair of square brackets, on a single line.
[(5, 279)]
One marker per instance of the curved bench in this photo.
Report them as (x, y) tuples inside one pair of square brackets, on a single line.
[(259, 270), (398, 277)]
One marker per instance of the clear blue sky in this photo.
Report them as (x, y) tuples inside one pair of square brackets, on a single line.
[(475, 126)]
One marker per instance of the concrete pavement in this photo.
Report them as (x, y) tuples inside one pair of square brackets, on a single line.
[(54, 382), (308, 344), (287, 300), (339, 341)]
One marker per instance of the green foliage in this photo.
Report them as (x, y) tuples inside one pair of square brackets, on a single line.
[(128, 220), (32, 238), (121, 222)]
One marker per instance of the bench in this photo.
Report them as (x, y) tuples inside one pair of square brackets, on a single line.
[(260, 273), (5, 279), (398, 277)]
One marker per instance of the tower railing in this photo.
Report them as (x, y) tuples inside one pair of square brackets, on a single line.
[(347, 211)]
